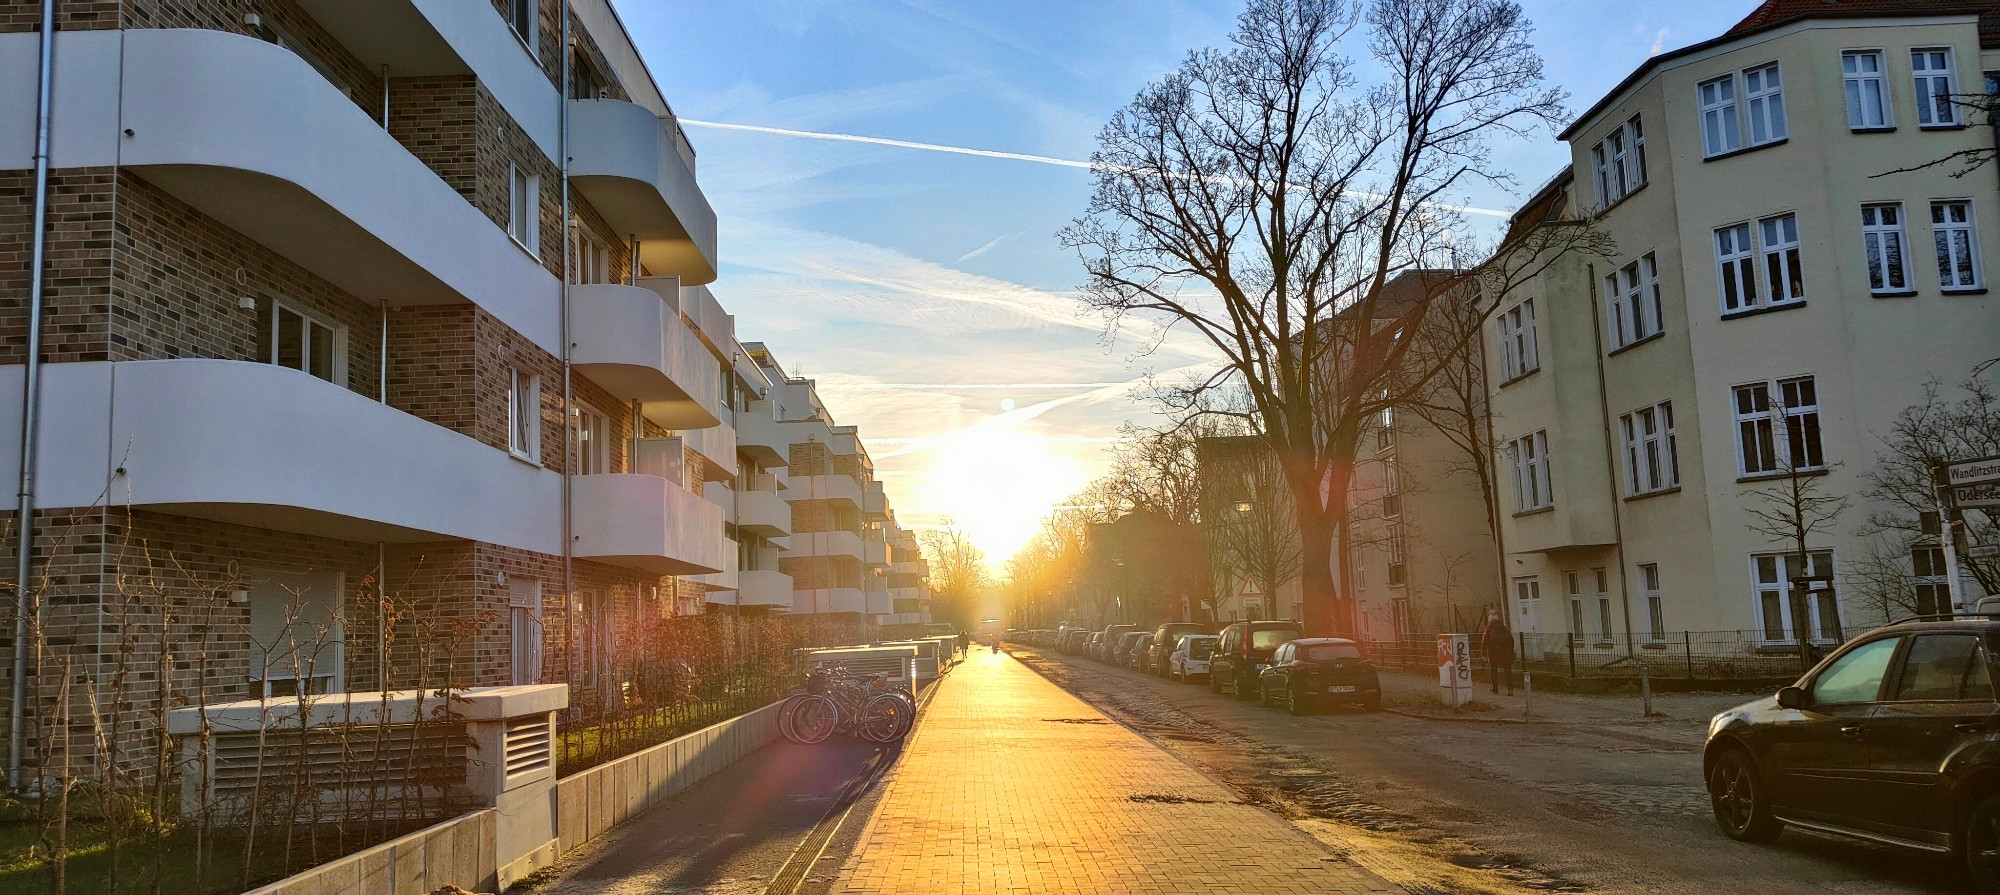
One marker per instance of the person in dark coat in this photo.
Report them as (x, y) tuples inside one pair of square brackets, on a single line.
[(1498, 643)]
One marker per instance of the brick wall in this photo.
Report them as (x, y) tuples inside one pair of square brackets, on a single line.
[(72, 15), (810, 458), (77, 280), (503, 145), (436, 119), (279, 17)]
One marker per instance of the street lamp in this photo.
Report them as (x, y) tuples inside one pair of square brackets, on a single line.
[(1244, 506)]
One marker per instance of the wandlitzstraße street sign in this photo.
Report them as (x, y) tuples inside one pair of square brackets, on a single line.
[(1974, 484)]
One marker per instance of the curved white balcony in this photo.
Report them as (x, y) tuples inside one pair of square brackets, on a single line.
[(250, 134), (262, 445), (647, 523), (632, 342), (829, 599), (907, 567), (842, 488), (874, 553), (761, 436), (763, 513), (626, 161), (879, 602), (764, 587), (825, 543), (875, 502)]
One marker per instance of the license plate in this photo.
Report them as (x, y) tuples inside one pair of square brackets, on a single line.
[(1340, 689)]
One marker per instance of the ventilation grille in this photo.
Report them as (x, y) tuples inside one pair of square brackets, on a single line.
[(527, 746), (331, 773), (889, 667)]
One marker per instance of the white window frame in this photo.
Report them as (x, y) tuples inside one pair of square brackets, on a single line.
[(1886, 248), (590, 261), (593, 440), (1619, 161), (1607, 631), (1573, 595), (1764, 104), (1721, 129), (1519, 353), (1783, 259), (1632, 302), (1930, 577), (1752, 114), (1935, 87), (524, 205), (1656, 609), (524, 19), (1771, 580), (1951, 252), (524, 417), (1532, 479), (1861, 87), (1652, 459), (328, 664), (308, 321), (524, 611), (1763, 261), (1795, 401)]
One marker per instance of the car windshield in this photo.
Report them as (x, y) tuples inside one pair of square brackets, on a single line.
[(1328, 652), (1200, 649), (1271, 638)]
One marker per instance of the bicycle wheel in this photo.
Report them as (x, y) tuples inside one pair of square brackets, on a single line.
[(813, 721), (785, 712), (881, 719)]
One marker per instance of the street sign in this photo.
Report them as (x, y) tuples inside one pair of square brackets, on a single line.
[(1454, 657), (1972, 472), (1983, 551), (1980, 496)]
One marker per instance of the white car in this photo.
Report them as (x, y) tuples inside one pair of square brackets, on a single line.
[(1189, 659)]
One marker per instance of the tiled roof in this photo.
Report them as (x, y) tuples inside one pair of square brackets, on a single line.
[(1772, 12)]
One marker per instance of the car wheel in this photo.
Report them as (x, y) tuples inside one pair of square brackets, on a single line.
[(1292, 702), (1982, 846), (1736, 793), (1242, 692)]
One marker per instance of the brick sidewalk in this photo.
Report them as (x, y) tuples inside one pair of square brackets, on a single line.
[(1011, 785)]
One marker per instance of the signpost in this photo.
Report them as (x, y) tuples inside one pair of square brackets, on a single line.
[(1454, 658), (1966, 485)]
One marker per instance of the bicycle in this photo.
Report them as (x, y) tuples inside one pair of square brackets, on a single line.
[(836, 700)]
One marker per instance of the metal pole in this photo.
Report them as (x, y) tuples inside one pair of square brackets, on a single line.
[(1947, 536), (31, 397), (569, 430), (1527, 692), (1646, 689)]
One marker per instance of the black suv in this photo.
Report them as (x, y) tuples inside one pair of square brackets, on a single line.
[(1895, 739), (1242, 653)]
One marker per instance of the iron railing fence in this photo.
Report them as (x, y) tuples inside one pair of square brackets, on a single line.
[(1719, 656)]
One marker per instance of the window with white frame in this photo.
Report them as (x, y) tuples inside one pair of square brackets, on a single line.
[(1652, 460), (1771, 577), (1888, 250), (1528, 596), (1930, 581), (1518, 352), (1632, 301), (524, 615), (296, 639), (1867, 88), (1620, 162), (1764, 104), (524, 202), (1531, 473), (307, 343), (1573, 592), (593, 440), (1392, 489), (1764, 410), (1385, 424), (523, 16), (1784, 273), (1931, 69), (1656, 610), (590, 258), (1398, 555), (1957, 244), (524, 414), (1736, 268), (1605, 630), (1747, 103), (1782, 279), (1721, 132)]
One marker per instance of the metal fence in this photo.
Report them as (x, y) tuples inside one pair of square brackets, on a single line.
[(1708, 656)]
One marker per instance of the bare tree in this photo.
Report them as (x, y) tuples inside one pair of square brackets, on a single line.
[(957, 570), (1263, 197), (1936, 430), (1252, 527), (1793, 508)]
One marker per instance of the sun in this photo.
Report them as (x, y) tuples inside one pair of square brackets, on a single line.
[(996, 482)]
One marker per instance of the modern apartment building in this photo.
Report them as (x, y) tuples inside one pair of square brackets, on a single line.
[(1777, 297)]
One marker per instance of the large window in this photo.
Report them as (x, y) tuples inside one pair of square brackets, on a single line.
[(1656, 610), (1771, 577), (1867, 90), (1752, 100), (1518, 353), (1632, 301), (1888, 250), (1620, 162), (1737, 265), (524, 203), (1957, 245), (307, 343), (1531, 473), (524, 414), (1931, 69), (1766, 409), (1652, 461)]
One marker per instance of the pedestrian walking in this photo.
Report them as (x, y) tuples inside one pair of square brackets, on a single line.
[(1498, 643)]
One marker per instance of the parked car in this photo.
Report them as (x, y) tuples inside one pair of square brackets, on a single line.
[(1111, 634), (1242, 653), (1120, 653), (1095, 649), (1140, 651), (1894, 738), (1076, 641), (1165, 639), (1310, 671), (1189, 660)]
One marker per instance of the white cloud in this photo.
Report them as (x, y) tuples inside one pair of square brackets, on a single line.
[(989, 246), (1659, 43)]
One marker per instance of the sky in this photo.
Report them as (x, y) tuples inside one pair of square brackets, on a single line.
[(889, 178)]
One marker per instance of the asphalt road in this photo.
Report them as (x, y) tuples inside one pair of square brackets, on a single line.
[(1476, 807)]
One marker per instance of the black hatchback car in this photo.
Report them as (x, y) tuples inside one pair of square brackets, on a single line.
[(1894, 739), (1315, 670)]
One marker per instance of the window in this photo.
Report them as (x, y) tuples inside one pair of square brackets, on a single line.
[(307, 343), (1957, 245), (1867, 89), (1736, 273), (524, 417), (1855, 676), (1392, 490), (1531, 473), (1888, 252), (524, 16), (1931, 67), (1385, 431), (1758, 447), (296, 641), (1764, 103), (584, 81), (524, 609), (590, 259), (596, 641), (1573, 590), (1930, 580), (1398, 544), (1652, 462), (1518, 354), (1783, 282), (1656, 610), (1604, 627), (1944, 668), (1620, 162), (1783, 273), (1632, 301), (1720, 131), (524, 203), (593, 441), (1771, 577)]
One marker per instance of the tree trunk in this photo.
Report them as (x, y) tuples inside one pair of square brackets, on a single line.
[(1319, 595)]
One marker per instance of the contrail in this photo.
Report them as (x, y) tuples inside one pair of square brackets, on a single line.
[(955, 386), (982, 153)]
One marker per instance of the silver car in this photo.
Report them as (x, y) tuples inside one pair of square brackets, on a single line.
[(1189, 660)]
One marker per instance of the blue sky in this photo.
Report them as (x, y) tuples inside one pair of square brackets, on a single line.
[(925, 290)]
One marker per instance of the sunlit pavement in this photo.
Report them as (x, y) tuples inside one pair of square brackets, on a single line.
[(1012, 785)]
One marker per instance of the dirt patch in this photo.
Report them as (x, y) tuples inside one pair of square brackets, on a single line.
[(1157, 798), (1077, 720)]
